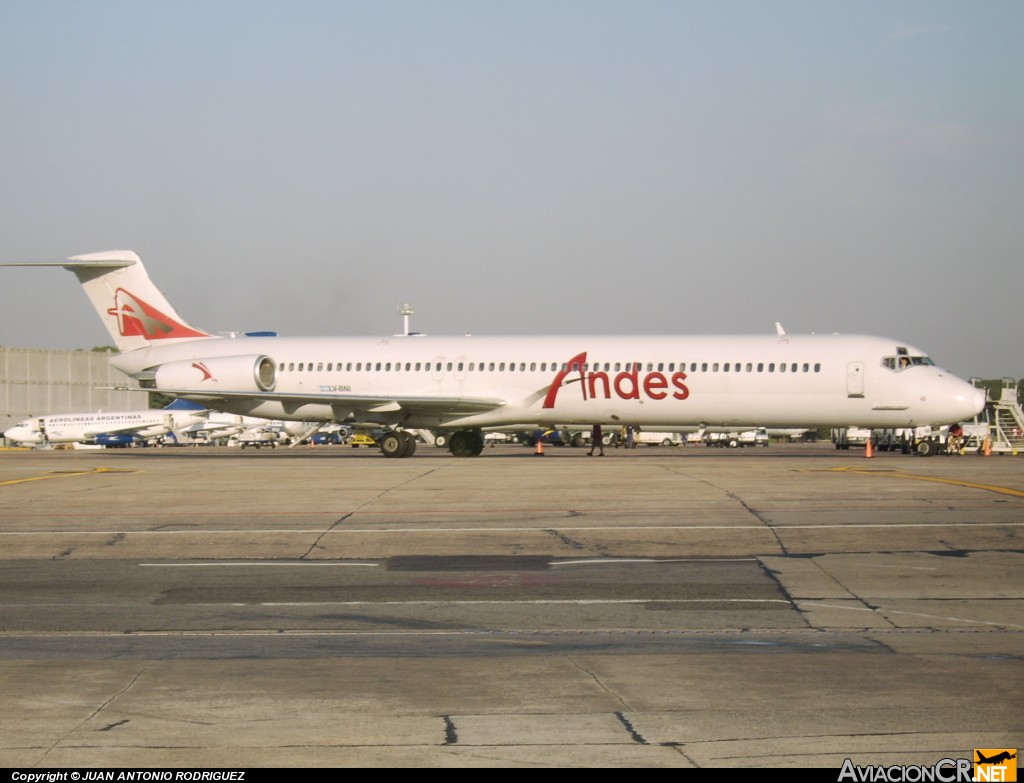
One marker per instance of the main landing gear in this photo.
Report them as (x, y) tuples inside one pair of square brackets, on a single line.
[(398, 443), (466, 443)]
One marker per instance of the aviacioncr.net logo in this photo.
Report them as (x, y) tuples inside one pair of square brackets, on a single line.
[(995, 764), (943, 771)]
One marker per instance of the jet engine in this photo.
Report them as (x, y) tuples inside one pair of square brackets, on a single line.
[(257, 373)]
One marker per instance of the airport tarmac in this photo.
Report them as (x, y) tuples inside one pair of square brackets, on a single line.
[(793, 606)]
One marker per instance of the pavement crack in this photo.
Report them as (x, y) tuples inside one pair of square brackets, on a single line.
[(342, 520), (128, 686), (600, 684), (637, 738), (565, 539), (873, 608), (760, 517), (333, 526), (451, 737)]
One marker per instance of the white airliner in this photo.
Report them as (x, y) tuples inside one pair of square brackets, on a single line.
[(225, 425), (463, 384), (110, 428)]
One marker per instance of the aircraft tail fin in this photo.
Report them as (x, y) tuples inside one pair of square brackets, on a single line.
[(132, 308)]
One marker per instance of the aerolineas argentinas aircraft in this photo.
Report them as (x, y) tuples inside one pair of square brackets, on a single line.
[(111, 428), (462, 384)]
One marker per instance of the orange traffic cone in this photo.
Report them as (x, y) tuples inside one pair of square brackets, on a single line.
[(540, 448), (869, 450)]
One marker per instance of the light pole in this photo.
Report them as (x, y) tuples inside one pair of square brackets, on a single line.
[(405, 310)]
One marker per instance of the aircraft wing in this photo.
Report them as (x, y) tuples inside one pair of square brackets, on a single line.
[(433, 406), (126, 429)]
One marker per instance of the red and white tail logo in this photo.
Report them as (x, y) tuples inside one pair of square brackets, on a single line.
[(135, 318)]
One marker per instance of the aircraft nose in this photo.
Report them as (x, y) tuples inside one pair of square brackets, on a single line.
[(969, 399), (979, 401)]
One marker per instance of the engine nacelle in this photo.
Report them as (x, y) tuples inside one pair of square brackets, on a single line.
[(256, 373)]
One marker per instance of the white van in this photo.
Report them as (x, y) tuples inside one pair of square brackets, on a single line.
[(657, 438)]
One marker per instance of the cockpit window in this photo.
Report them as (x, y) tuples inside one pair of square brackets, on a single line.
[(905, 360)]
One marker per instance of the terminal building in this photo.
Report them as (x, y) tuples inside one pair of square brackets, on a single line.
[(36, 382)]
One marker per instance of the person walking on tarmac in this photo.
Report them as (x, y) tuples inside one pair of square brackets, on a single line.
[(596, 441), (955, 442)]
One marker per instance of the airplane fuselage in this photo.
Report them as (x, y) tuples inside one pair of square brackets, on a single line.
[(464, 384), (762, 380), (87, 427)]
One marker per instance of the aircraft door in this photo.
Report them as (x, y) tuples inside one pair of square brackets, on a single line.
[(855, 379), (459, 368), (436, 371)]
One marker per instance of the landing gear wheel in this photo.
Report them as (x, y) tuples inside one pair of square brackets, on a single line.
[(398, 444), (478, 444), (466, 443), (409, 441)]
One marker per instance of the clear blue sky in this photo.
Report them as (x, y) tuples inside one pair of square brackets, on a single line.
[(524, 167)]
